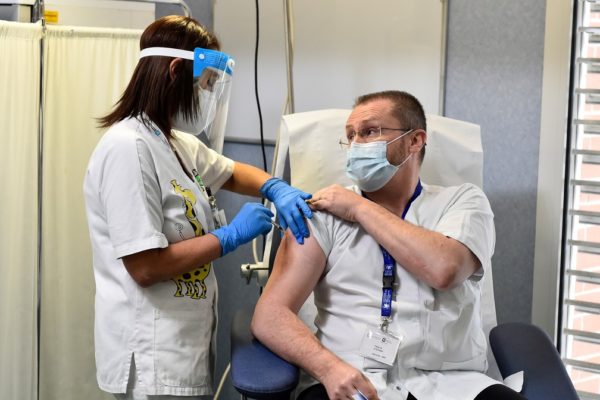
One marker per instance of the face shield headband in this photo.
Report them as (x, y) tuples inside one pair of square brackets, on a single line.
[(212, 87)]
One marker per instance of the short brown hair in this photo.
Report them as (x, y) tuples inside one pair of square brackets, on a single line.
[(407, 109), (151, 90)]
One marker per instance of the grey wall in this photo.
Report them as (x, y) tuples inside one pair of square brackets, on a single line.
[(202, 11), (494, 79)]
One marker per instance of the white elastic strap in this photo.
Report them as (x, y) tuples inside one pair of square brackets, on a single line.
[(167, 52)]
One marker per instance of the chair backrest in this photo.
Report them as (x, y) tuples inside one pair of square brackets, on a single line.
[(525, 347), (309, 144)]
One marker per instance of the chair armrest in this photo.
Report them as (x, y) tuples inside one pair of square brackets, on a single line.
[(257, 372), (525, 347)]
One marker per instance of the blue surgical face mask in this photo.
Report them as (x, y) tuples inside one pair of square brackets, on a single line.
[(367, 164)]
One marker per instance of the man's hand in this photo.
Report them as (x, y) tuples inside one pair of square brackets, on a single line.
[(344, 381), (337, 200)]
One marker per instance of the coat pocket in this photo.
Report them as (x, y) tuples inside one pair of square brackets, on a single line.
[(182, 347)]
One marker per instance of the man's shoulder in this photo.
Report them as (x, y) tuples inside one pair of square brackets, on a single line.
[(324, 220), (464, 192), (466, 187), (437, 201)]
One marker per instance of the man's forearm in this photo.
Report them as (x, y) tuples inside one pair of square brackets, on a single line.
[(439, 261), (284, 333), (435, 259)]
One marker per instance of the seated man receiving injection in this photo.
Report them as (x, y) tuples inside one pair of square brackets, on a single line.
[(395, 266)]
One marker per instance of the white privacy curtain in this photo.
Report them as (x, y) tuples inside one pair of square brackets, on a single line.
[(87, 70), (19, 113)]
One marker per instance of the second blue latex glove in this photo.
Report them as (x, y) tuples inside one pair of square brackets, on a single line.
[(291, 206), (253, 220)]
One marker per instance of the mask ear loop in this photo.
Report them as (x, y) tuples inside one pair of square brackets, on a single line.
[(403, 161), (399, 137)]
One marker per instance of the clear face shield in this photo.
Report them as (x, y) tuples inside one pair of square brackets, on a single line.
[(212, 88)]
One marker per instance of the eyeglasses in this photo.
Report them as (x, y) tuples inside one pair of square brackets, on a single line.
[(367, 135)]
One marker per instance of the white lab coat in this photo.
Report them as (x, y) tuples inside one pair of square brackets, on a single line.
[(442, 355), (138, 198)]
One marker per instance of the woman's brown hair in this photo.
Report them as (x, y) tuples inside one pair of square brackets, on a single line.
[(151, 89)]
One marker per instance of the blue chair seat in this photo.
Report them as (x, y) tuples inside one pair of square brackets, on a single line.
[(257, 372)]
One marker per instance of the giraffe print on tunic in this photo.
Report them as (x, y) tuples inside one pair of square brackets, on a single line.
[(191, 283)]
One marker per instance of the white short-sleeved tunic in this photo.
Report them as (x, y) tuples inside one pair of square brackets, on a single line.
[(443, 353), (138, 197)]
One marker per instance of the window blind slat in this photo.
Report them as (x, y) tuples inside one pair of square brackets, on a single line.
[(586, 152), (590, 247), (584, 306), (585, 182), (583, 365), (587, 91), (588, 60), (587, 395), (592, 122), (586, 217), (585, 276), (584, 336)]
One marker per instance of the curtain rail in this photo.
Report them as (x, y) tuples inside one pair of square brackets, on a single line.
[(181, 3), (38, 7)]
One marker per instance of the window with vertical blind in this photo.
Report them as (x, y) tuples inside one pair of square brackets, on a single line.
[(580, 340)]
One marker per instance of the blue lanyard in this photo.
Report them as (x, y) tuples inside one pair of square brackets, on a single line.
[(389, 271)]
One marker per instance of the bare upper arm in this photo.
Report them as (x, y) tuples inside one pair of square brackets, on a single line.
[(296, 271)]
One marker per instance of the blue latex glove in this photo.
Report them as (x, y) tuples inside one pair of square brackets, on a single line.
[(253, 220), (290, 206)]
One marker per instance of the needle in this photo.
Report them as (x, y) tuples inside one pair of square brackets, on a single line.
[(276, 225)]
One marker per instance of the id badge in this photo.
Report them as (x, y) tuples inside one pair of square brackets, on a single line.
[(220, 216), (380, 346)]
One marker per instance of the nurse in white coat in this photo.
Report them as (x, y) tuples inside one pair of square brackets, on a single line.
[(154, 223)]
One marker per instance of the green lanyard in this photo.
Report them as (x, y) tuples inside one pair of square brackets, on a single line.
[(212, 201), (218, 215)]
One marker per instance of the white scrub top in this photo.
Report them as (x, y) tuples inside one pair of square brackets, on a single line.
[(138, 197), (442, 354)]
